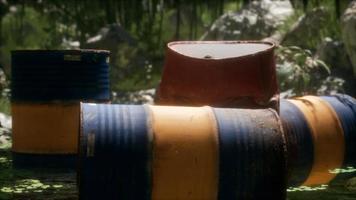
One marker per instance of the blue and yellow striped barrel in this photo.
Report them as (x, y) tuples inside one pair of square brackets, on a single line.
[(320, 133), (46, 89), (183, 153)]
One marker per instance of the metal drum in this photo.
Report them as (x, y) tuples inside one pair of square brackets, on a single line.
[(46, 89), (299, 143), (345, 108), (231, 74), (316, 140), (164, 152)]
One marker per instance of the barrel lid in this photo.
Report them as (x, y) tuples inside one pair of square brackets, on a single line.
[(219, 49), (55, 56), (68, 51)]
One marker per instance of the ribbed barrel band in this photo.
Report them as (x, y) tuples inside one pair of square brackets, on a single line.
[(45, 75), (164, 152), (328, 138)]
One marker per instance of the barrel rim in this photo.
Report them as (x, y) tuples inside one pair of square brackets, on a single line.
[(271, 48), (74, 51)]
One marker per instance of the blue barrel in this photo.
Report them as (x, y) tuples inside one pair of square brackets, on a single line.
[(114, 153), (321, 138), (251, 146), (345, 108), (166, 152), (299, 143), (47, 87), (47, 75)]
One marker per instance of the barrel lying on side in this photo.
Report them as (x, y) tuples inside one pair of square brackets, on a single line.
[(320, 134), (47, 87), (230, 74), (161, 152)]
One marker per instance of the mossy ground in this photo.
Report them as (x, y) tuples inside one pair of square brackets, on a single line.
[(60, 184), (35, 184)]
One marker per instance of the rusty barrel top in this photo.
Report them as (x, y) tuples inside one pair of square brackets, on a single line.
[(166, 152), (219, 73)]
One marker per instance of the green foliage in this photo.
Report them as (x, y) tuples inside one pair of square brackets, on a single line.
[(25, 28), (299, 71), (326, 23), (342, 171), (5, 106), (29, 185), (307, 188), (39, 184), (53, 24)]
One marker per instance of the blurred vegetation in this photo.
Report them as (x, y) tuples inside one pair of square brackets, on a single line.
[(299, 71), (39, 184), (57, 24), (66, 24)]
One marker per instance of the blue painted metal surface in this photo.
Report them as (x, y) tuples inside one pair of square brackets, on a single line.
[(299, 143), (252, 155), (114, 153), (345, 108), (41, 75)]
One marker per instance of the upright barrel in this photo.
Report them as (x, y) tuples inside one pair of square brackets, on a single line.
[(231, 74), (320, 134), (183, 153), (46, 89)]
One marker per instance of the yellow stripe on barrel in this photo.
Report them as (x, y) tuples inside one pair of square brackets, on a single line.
[(328, 138), (185, 154), (45, 128)]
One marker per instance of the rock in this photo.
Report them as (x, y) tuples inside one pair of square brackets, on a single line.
[(125, 57), (331, 85), (145, 96), (137, 97), (334, 54), (5, 121), (258, 20), (5, 131), (109, 37), (306, 29), (348, 27)]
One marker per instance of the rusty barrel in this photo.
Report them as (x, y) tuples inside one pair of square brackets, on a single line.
[(183, 153), (46, 89), (320, 133), (232, 74)]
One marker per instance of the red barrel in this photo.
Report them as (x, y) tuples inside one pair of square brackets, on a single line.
[(219, 73)]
